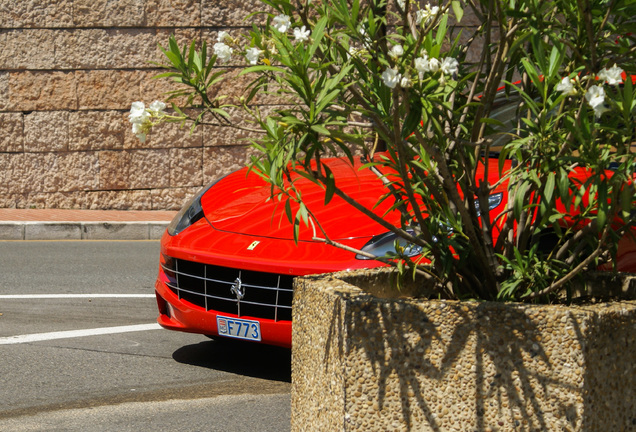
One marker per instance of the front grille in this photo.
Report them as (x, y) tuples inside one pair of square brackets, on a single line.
[(264, 295)]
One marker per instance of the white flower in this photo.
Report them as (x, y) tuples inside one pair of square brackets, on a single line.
[(137, 128), (365, 36), (423, 16), (433, 65), (421, 64), (141, 131), (391, 78), (354, 52), (600, 109), (282, 23), (222, 36), (424, 64), (138, 113), (140, 119), (396, 51), (222, 51), (252, 55), (301, 34), (156, 108), (449, 66), (566, 87), (595, 97), (613, 75), (401, 3), (405, 82)]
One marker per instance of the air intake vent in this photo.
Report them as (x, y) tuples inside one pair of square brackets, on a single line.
[(224, 289)]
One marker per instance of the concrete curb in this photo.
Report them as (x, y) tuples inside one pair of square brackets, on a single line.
[(82, 230)]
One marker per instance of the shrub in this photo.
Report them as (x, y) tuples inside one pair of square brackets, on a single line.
[(392, 83)]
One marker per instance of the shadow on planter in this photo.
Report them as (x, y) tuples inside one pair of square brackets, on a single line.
[(364, 360)]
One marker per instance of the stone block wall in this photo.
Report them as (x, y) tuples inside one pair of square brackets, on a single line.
[(69, 70)]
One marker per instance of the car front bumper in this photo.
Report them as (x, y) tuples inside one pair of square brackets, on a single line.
[(181, 315)]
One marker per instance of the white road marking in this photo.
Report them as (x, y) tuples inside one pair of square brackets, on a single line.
[(38, 337), (72, 296)]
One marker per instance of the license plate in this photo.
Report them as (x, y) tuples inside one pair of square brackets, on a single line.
[(238, 328)]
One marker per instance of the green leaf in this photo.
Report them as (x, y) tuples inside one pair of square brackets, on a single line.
[(191, 54), (520, 198), (296, 231), (601, 217), (220, 112), (326, 100), (262, 68), (441, 30), (167, 75), (556, 59), (330, 184), (175, 59), (626, 199), (548, 191), (492, 121), (317, 34), (320, 129), (302, 214), (532, 72), (288, 211), (564, 187), (457, 9), (215, 78), (412, 121)]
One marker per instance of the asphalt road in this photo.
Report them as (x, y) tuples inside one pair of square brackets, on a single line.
[(80, 350)]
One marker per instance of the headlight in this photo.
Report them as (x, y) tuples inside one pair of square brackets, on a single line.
[(384, 244), (189, 213), (493, 201)]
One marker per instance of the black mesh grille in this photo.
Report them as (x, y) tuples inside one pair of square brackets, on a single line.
[(265, 295)]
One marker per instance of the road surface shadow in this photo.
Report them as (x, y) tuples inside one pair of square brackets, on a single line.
[(241, 358)]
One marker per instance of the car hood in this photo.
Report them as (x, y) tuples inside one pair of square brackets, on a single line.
[(241, 203)]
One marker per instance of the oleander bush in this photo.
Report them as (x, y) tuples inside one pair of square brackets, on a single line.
[(425, 101)]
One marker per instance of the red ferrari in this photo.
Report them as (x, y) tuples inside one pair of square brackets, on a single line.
[(229, 257)]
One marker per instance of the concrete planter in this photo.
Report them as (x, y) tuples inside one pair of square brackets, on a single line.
[(361, 362)]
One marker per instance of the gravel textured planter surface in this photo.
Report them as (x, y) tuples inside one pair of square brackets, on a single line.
[(361, 362)]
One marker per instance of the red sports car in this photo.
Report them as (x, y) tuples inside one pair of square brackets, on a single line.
[(229, 257)]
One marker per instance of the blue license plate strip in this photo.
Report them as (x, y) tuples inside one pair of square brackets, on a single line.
[(238, 328)]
